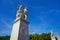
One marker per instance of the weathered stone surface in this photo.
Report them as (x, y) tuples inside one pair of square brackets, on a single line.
[(20, 26)]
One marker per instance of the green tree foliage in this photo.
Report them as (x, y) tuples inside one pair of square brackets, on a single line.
[(4, 37), (43, 36)]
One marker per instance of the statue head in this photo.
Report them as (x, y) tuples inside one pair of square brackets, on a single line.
[(25, 10), (19, 9)]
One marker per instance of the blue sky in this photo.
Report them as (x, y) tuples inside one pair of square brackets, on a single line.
[(43, 15)]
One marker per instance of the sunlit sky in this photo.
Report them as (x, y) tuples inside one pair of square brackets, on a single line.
[(43, 15)]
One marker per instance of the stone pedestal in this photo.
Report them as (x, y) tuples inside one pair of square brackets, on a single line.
[(20, 26)]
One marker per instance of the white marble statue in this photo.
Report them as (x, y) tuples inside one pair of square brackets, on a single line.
[(52, 36)]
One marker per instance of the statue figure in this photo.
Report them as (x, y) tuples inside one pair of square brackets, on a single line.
[(52, 36), (19, 8), (25, 12)]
